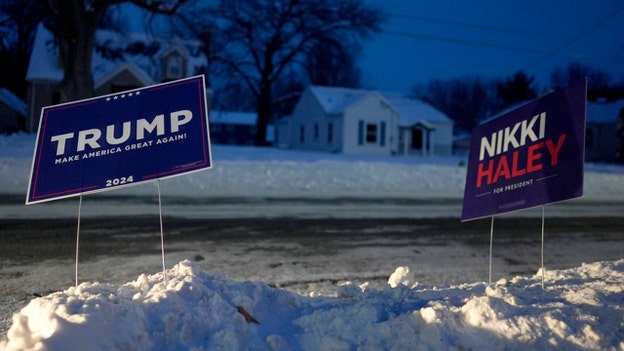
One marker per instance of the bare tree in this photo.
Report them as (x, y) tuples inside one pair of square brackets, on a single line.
[(597, 81), (18, 21), (257, 41), (519, 88), (333, 64), (467, 101), (74, 23)]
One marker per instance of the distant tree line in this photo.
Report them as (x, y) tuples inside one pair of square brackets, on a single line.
[(470, 100), (260, 53)]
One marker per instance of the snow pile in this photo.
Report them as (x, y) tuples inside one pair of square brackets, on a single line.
[(580, 308)]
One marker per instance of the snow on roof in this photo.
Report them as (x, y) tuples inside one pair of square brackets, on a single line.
[(604, 112), (112, 49), (43, 63), (231, 117), (413, 111), (102, 74), (11, 100), (336, 100)]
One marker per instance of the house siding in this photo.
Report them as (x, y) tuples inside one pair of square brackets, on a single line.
[(600, 142), (309, 127), (122, 81), (442, 139), (371, 111)]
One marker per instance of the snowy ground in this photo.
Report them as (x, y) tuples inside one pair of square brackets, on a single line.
[(192, 310), (580, 308)]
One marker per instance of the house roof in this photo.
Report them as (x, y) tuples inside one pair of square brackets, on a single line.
[(335, 100), (11, 100), (43, 63), (101, 76), (414, 111), (604, 112), (233, 117), (112, 49)]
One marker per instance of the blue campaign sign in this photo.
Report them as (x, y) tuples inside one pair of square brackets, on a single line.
[(120, 139), (528, 157)]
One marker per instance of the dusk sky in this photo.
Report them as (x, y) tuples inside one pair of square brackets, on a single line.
[(443, 39)]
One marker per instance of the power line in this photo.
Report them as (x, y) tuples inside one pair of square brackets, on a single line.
[(557, 51), (601, 22), (492, 45), (474, 25)]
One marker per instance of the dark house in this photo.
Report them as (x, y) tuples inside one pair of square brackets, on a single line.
[(120, 62), (234, 128), (601, 139)]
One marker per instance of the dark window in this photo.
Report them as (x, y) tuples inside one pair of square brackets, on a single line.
[(417, 139), (330, 133), (301, 134), (371, 133)]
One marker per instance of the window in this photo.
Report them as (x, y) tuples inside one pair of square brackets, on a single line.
[(301, 134), (330, 133), (175, 66), (371, 133), (316, 131)]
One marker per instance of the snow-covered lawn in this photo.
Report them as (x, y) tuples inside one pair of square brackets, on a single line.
[(580, 308), (271, 172)]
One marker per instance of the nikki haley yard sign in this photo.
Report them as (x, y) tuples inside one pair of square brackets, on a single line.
[(528, 157), (120, 139)]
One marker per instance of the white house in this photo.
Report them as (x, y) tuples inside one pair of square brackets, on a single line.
[(356, 121), (423, 130), (341, 120)]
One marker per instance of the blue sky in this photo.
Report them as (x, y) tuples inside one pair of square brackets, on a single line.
[(443, 39)]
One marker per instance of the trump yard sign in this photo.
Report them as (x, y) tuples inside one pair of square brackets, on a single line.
[(528, 157), (120, 139)]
